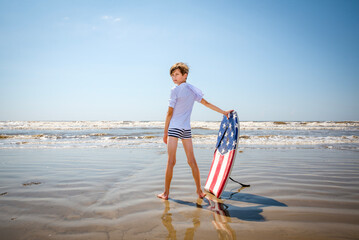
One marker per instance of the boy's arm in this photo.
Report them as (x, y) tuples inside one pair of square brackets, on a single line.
[(167, 123), (215, 108)]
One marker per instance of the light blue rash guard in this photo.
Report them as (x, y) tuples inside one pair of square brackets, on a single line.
[(181, 100)]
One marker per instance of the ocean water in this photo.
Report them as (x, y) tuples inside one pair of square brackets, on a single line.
[(148, 134)]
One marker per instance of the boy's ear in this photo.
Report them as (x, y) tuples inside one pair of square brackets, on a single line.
[(186, 75)]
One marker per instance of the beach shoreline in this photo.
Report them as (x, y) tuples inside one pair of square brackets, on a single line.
[(111, 194)]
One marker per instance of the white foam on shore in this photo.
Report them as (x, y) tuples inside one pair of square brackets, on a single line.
[(209, 141), (142, 134), (283, 140)]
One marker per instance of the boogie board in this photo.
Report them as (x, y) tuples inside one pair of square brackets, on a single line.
[(224, 155)]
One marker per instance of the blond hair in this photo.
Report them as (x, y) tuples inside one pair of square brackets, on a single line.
[(181, 66)]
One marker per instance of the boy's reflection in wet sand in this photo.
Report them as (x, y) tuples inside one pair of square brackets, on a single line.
[(220, 220), (167, 221), (196, 223)]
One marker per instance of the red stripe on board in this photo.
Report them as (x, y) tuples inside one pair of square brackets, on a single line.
[(225, 176), (209, 174), (218, 169)]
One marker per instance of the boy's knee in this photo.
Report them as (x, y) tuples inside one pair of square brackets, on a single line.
[(191, 162), (171, 162)]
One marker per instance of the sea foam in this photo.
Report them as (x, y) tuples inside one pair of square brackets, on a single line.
[(149, 134)]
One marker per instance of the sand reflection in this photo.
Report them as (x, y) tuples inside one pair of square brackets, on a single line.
[(167, 222), (220, 220)]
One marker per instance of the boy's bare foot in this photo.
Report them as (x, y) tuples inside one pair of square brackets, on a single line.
[(201, 195), (163, 196)]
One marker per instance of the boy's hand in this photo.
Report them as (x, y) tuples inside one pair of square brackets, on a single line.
[(165, 136), (227, 113)]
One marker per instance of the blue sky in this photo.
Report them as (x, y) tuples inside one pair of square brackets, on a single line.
[(109, 60)]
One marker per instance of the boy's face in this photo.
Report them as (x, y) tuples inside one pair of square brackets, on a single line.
[(177, 77)]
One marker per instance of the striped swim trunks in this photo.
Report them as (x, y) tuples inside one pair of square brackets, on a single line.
[(179, 133)]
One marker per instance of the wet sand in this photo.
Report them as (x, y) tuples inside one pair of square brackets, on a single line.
[(111, 194)]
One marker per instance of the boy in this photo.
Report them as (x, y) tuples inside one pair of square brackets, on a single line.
[(177, 125)]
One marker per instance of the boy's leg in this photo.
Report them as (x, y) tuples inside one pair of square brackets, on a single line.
[(171, 149), (188, 147)]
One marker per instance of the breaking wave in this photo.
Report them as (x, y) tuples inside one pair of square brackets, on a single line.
[(143, 134)]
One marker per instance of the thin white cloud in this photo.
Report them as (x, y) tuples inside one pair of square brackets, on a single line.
[(106, 17), (110, 18)]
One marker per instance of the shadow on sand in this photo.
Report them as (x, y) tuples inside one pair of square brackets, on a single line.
[(249, 213), (222, 212)]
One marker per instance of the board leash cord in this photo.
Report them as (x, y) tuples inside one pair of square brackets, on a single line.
[(243, 185)]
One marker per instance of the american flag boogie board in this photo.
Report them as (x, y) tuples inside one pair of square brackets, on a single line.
[(224, 155)]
